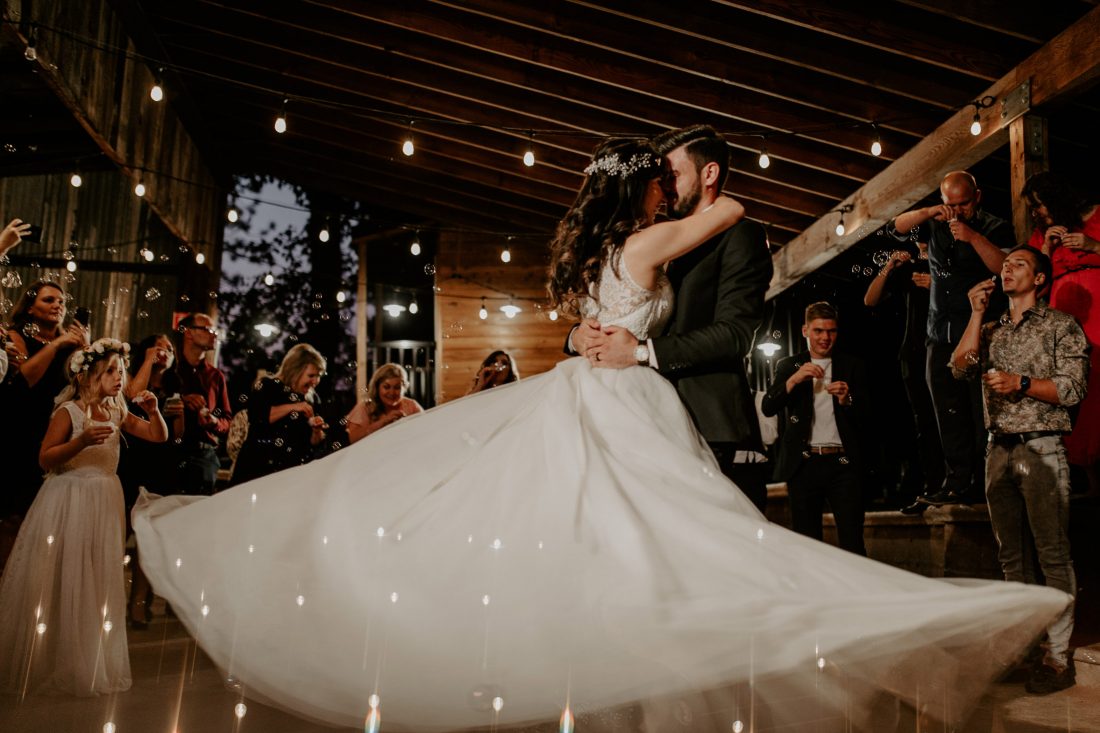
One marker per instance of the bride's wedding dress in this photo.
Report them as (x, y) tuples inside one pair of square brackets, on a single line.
[(566, 541)]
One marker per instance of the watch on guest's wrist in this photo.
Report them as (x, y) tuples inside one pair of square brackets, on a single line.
[(641, 354), (1025, 383)]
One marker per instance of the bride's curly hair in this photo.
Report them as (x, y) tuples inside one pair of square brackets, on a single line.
[(609, 208)]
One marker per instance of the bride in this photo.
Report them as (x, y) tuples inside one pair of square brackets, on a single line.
[(565, 549)]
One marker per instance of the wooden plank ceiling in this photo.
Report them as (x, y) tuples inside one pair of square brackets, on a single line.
[(476, 77)]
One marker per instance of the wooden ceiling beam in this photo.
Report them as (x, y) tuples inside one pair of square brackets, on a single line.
[(838, 57), (904, 31), (1069, 62), (1013, 19), (636, 41), (583, 72), (793, 175)]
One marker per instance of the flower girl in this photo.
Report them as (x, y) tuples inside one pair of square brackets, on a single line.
[(61, 597)]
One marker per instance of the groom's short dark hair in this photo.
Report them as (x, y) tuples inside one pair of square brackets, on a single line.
[(704, 145)]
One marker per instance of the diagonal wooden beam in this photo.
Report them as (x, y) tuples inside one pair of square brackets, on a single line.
[(1068, 62)]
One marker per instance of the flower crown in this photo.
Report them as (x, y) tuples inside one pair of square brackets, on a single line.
[(611, 165), (84, 359)]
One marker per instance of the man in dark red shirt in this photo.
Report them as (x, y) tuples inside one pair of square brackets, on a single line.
[(206, 409)]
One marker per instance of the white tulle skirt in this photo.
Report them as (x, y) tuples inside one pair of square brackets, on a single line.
[(62, 596), (565, 542)]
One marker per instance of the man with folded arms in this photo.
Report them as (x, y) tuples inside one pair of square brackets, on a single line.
[(1034, 365)]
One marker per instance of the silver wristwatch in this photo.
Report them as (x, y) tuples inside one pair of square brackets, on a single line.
[(641, 354)]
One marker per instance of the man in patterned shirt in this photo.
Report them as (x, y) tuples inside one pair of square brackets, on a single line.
[(1034, 363)]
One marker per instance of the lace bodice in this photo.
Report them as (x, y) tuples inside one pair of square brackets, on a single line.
[(99, 459), (620, 301)]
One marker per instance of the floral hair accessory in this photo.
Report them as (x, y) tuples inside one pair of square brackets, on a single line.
[(84, 359), (611, 165)]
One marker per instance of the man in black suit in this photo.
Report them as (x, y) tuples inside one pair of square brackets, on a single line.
[(720, 289), (822, 394)]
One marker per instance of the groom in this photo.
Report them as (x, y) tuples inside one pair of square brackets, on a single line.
[(720, 290)]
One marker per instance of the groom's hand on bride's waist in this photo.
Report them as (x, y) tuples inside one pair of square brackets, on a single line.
[(613, 348), (583, 336)]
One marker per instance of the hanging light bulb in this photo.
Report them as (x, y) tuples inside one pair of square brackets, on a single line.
[(232, 214), (407, 146), (484, 312), (147, 254), (554, 315), (157, 92), (840, 227), (341, 296), (30, 54), (976, 125), (413, 307), (506, 254), (323, 235), (510, 309), (394, 309), (529, 155), (76, 181), (876, 146), (199, 258), (414, 248), (764, 161), (280, 120), (139, 189), (71, 265), (269, 279)]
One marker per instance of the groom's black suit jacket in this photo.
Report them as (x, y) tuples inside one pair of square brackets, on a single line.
[(797, 422), (720, 289)]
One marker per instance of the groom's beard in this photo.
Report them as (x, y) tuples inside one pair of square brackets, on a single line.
[(684, 206)]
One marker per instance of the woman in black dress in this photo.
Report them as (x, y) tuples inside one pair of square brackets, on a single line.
[(283, 430)]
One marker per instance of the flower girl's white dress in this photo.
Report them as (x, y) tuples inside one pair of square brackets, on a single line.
[(62, 600)]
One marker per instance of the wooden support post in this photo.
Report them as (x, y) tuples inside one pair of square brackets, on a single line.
[(1029, 155), (361, 323)]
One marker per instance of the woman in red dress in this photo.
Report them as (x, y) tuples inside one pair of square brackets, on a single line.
[(1067, 228)]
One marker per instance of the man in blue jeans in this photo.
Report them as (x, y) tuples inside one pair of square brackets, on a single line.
[(1034, 365), (206, 410)]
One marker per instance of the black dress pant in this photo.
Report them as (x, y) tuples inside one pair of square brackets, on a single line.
[(961, 420), (833, 479)]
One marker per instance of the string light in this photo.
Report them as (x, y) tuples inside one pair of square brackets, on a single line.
[(529, 155), (341, 296), (157, 92), (506, 255), (75, 180), (407, 146), (71, 265), (30, 54), (394, 309), (232, 214), (414, 248), (976, 125), (139, 189), (413, 307), (267, 330), (199, 258), (876, 146), (483, 313), (323, 235), (553, 315), (764, 161), (979, 105), (269, 279), (510, 309), (280, 121), (845, 209)]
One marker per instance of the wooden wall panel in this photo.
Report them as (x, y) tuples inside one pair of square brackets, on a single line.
[(468, 267), (108, 94)]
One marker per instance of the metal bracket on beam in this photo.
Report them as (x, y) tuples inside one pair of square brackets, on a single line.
[(1016, 103)]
